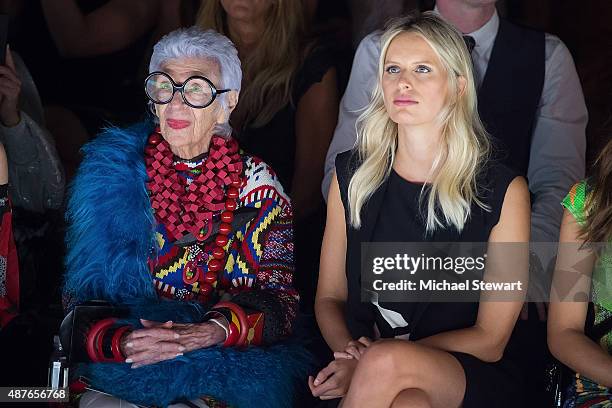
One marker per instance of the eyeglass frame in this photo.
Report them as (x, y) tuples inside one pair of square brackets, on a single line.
[(181, 87)]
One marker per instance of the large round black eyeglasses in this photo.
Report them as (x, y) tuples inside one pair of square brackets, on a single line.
[(197, 91)]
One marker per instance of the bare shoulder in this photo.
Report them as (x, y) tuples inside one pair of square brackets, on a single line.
[(515, 217)]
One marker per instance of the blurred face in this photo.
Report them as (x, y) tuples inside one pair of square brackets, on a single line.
[(414, 82), (479, 3), (247, 10), (470, 3), (188, 130)]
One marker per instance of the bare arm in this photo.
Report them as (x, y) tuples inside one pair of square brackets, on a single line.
[(487, 339), (566, 320), (109, 28), (317, 113), (3, 166), (332, 289)]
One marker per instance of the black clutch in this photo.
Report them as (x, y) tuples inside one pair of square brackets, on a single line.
[(78, 326)]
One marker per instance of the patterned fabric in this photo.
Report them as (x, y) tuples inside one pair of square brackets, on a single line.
[(584, 392), (114, 244), (260, 253), (9, 263), (113, 239), (575, 200)]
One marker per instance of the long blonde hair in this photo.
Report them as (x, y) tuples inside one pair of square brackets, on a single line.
[(454, 172), (269, 71)]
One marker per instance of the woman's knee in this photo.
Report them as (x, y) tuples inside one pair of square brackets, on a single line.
[(411, 398), (387, 359)]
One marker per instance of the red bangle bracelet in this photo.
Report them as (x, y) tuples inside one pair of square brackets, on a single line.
[(116, 344), (94, 350), (242, 319), (233, 333)]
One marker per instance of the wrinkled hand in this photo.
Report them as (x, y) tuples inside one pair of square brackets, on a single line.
[(354, 349), (10, 88), (154, 343), (333, 381), (199, 335), (164, 341)]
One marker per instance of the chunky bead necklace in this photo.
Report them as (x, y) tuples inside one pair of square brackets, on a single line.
[(188, 207)]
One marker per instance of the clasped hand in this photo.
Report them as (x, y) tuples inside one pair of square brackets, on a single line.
[(164, 341), (333, 381)]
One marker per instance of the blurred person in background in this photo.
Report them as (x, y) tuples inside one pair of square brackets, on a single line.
[(288, 107)]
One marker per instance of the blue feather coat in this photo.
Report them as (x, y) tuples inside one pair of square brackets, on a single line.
[(109, 240)]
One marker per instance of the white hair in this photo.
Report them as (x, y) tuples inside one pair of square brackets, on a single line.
[(194, 42)]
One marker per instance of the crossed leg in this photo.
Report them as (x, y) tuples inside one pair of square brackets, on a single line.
[(398, 374)]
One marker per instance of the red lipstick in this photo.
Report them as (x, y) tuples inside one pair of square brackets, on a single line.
[(177, 123)]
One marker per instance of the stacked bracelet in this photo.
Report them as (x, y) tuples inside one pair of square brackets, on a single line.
[(103, 341), (221, 325), (238, 324)]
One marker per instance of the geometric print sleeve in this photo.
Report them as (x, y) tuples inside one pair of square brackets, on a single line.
[(264, 255), (574, 201)]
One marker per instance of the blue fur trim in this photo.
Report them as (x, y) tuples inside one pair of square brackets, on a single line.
[(228, 374), (258, 377), (109, 239), (110, 220)]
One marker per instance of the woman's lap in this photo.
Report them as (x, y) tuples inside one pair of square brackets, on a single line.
[(490, 384)]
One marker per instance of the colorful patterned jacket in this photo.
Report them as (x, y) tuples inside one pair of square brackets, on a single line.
[(115, 245)]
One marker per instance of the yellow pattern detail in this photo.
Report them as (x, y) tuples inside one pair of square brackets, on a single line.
[(172, 268), (251, 334), (262, 226), (252, 329), (229, 265), (235, 320), (160, 240), (244, 268)]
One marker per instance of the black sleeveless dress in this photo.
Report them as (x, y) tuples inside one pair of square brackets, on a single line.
[(394, 214)]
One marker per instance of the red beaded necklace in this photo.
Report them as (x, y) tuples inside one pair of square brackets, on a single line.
[(188, 207)]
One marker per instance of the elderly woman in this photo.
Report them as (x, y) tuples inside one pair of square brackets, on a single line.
[(178, 212)]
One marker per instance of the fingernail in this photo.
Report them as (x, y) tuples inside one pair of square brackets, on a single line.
[(130, 344), (179, 354), (128, 360), (176, 335), (316, 381), (181, 348), (169, 321), (135, 365)]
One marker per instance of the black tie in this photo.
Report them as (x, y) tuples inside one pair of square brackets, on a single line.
[(470, 42)]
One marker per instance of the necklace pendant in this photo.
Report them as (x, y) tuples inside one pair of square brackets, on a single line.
[(191, 273), (204, 232)]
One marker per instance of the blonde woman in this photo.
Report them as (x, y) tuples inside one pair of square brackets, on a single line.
[(419, 173)]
